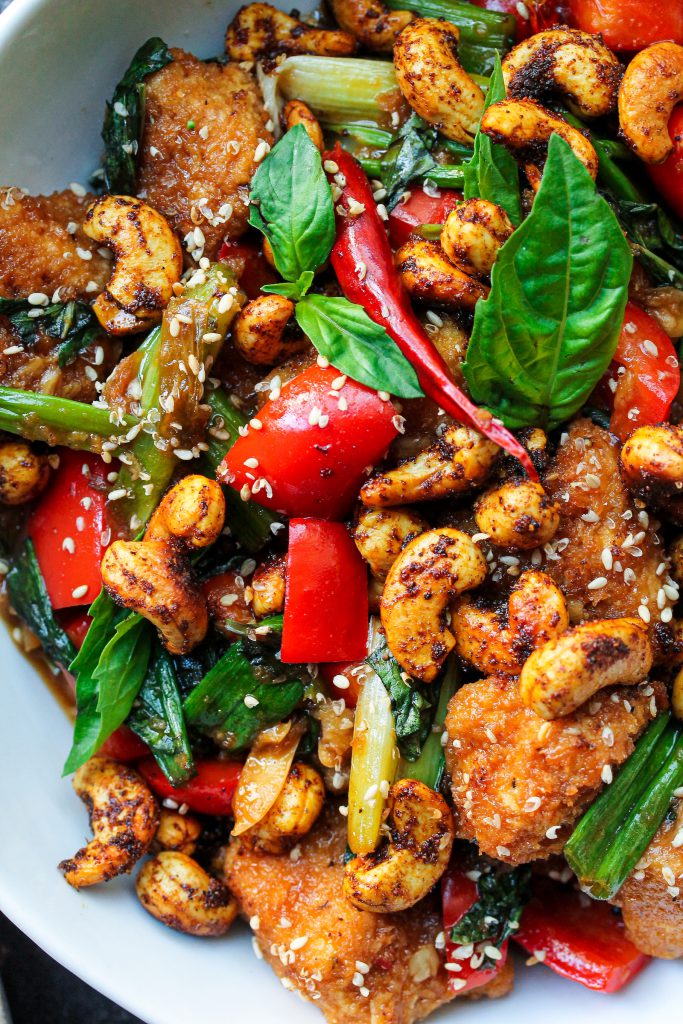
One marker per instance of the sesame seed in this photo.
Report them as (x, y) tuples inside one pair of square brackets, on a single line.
[(551, 833), (364, 991), (331, 167), (456, 983), (590, 517), (668, 875), (650, 348), (77, 188), (383, 396), (644, 612), (12, 350), (250, 701), (502, 851), (299, 942), (532, 804), (341, 682), (597, 584), (607, 559), (117, 494), (183, 453), (83, 254), (338, 382), (79, 592), (38, 299), (606, 774), (261, 151)]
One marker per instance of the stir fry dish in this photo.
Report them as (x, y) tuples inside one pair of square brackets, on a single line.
[(341, 475)]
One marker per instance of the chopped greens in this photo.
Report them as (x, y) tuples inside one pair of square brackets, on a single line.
[(157, 718), (495, 916), (73, 323), (413, 713), (28, 595), (429, 766)]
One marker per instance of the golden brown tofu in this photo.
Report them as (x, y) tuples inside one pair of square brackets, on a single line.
[(356, 966), (519, 782), (650, 899), (203, 125)]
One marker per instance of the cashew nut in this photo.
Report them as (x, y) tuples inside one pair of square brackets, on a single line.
[(525, 127), (296, 112), (536, 613), (373, 24), (677, 695), (23, 473), (261, 30), (565, 672), (652, 461), (401, 873), (294, 812), (262, 334), (123, 816), (178, 832), (665, 305), (651, 87), (567, 61), (430, 277), (381, 534), (148, 261), (472, 235), (519, 514), (192, 512), (430, 572), (268, 587), (458, 462), (178, 892), (434, 82)]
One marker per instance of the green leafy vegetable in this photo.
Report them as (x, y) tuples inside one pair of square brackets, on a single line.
[(413, 712), (73, 323), (58, 420), (157, 718), (408, 158), (125, 115), (28, 595), (344, 333), (547, 332), (495, 916), (429, 766)]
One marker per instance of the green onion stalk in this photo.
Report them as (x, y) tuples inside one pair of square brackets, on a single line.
[(429, 766), (59, 421)]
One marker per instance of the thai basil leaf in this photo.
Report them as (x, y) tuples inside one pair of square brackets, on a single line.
[(291, 204), (413, 712), (73, 323), (293, 290), (124, 117), (657, 241), (496, 915), (157, 718), (29, 598), (409, 157), (545, 335), (344, 333)]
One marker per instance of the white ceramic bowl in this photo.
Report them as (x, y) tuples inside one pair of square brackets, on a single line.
[(59, 60)]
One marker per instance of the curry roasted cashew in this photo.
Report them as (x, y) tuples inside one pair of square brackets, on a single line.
[(294, 812), (192, 512), (178, 892), (261, 30), (430, 572), (24, 473), (262, 332), (652, 461), (179, 832), (536, 613), (434, 82), (524, 127), (565, 672), (651, 87), (400, 874), (518, 514), (373, 24), (472, 235), (567, 62), (296, 112), (268, 587), (381, 534), (430, 277), (123, 816), (148, 261)]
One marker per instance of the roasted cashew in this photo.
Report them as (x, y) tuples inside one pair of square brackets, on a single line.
[(192, 512), (565, 672), (262, 334), (261, 30), (472, 235), (676, 556), (148, 261), (23, 473), (651, 87), (177, 832), (569, 62), (178, 892), (400, 874), (294, 812), (373, 24), (434, 82), (525, 127), (430, 277), (123, 816), (458, 462), (677, 695), (536, 613), (296, 112), (519, 514), (652, 461), (430, 572), (381, 534), (268, 587)]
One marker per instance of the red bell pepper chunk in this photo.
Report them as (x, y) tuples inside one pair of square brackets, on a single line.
[(668, 177), (583, 941), (252, 267), (629, 24), (68, 527), (420, 208), (326, 599), (459, 894), (124, 745), (210, 791), (352, 671), (75, 622), (310, 453), (362, 242)]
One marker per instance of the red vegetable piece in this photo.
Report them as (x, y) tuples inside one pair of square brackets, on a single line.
[(124, 745), (420, 208), (353, 673), (459, 894), (255, 272), (668, 177), (326, 600), (210, 791), (75, 622), (629, 24)]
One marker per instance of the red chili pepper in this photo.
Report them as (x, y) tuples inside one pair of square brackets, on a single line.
[(459, 894), (326, 600), (67, 528), (252, 267), (363, 262), (420, 208), (210, 791), (313, 446), (668, 177), (353, 673), (583, 941), (124, 745), (629, 24)]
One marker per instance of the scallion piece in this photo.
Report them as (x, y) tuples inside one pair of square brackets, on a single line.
[(429, 766)]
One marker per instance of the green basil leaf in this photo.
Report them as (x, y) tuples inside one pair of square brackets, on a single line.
[(157, 718), (408, 158), (124, 117), (495, 916), (344, 333), (547, 332), (291, 204), (29, 598), (73, 323), (413, 712), (293, 290)]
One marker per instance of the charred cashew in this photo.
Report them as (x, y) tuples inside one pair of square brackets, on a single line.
[(123, 816), (261, 30), (23, 473), (458, 462), (148, 261), (295, 112), (262, 334), (473, 234), (400, 874), (652, 461), (677, 695), (430, 572), (192, 512), (178, 832), (268, 588), (569, 62), (434, 82), (565, 672), (381, 534), (536, 613), (178, 892), (371, 22), (525, 127), (430, 277), (651, 88), (294, 812), (517, 515)]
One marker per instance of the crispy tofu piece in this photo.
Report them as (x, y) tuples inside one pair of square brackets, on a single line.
[(519, 783), (203, 125), (356, 966)]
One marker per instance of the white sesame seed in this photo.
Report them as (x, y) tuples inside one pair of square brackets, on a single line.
[(597, 584), (551, 833), (117, 494), (83, 254), (668, 875), (77, 189), (79, 592), (184, 454), (456, 983), (644, 612), (250, 701), (532, 804), (607, 559), (606, 774), (299, 942), (502, 851), (650, 348)]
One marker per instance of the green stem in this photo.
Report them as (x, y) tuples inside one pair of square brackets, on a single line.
[(443, 175), (367, 134), (429, 767), (57, 421)]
